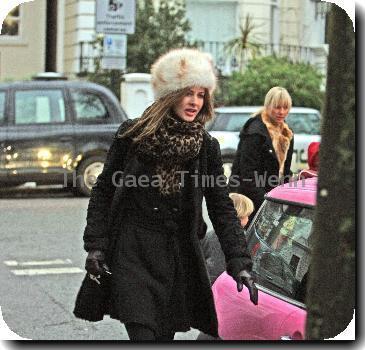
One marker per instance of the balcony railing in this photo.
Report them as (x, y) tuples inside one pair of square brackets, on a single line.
[(226, 62)]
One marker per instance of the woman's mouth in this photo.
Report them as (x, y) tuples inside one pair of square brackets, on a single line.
[(190, 112)]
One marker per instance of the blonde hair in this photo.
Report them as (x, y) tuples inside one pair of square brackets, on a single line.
[(153, 116), (276, 96), (243, 205)]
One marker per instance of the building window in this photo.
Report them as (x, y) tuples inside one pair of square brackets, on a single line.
[(11, 23)]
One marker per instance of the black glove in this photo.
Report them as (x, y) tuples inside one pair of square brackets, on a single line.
[(245, 278), (95, 263)]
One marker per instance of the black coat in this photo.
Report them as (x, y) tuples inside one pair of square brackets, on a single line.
[(255, 169), (213, 255), (105, 215)]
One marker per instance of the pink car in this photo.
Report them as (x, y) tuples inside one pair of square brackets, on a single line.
[(279, 240)]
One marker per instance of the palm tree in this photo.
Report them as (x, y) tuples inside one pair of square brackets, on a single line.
[(246, 45)]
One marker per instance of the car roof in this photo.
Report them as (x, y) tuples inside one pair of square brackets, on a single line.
[(50, 84), (302, 192), (253, 109)]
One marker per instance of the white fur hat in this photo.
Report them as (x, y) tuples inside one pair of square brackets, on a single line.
[(181, 68)]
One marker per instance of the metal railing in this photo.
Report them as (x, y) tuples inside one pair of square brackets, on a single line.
[(90, 53)]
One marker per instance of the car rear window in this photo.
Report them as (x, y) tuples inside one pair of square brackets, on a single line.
[(39, 106), (304, 123), (2, 107), (229, 121)]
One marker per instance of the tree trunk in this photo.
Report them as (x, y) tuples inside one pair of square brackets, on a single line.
[(331, 289)]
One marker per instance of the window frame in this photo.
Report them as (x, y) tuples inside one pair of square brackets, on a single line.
[(18, 36), (5, 120)]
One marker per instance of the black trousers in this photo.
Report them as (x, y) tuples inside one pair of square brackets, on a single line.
[(139, 332)]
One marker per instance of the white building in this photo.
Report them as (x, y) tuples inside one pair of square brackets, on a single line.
[(291, 28), (288, 27)]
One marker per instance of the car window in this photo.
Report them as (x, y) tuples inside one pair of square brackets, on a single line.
[(88, 106), (2, 107), (39, 106), (304, 123), (283, 256), (229, 121)]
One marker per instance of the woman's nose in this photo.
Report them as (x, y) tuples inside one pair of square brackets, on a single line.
[(193, 99)]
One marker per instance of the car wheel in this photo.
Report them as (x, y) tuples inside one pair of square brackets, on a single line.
[(227, 166), (87, 173)]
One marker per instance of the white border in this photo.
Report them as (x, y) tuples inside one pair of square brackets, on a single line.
[(7, 5)]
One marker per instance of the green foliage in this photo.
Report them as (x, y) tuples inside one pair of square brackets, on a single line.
[(157, 31), (303, 82), (246, 44)]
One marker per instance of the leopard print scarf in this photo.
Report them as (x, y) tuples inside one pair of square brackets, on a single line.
[(174, 143)]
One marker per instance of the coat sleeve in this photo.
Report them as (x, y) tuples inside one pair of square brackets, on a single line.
[(224, 216), (245, 181), (97, 220)]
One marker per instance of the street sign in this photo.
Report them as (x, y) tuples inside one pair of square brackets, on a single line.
[(119, 63), (115, 16), (114, 52), (115, 45)]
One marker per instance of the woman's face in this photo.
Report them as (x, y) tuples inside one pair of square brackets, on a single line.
[(190, 105), (278, 113), (244, 221)]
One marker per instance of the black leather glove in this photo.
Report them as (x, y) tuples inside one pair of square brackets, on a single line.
[(245, 278), (95, 263)]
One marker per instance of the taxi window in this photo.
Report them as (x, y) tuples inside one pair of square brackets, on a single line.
[(88, 107), (39, 106), (304, 123), (229, 121)]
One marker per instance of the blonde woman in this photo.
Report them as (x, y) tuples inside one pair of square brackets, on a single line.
[(264, 153), (147, 231)]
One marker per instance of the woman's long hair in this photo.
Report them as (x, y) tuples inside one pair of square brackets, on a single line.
[(276, 96), (153, 116)]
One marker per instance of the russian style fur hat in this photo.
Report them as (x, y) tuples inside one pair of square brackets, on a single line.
[(181, 68)]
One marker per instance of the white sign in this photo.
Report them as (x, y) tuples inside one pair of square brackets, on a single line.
[(115, 45), (115, 16), (119, 63)]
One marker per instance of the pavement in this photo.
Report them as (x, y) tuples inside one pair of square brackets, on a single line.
[(42, 266)]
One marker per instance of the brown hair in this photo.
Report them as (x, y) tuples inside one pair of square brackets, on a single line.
[(153, 116)]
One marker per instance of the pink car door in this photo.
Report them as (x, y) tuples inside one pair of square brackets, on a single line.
[(239, 319), (279, 242)]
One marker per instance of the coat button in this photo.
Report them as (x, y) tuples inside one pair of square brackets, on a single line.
[(270, 150), (155, 209), (175, 210)]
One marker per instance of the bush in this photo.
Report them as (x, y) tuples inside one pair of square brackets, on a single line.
[(249, 88)]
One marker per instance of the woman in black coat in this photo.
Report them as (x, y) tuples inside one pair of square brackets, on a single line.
[(265, 149), (145, 212)]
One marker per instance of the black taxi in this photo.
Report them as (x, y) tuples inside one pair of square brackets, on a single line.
[(56, 132)]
